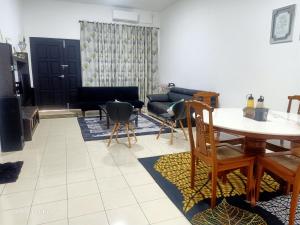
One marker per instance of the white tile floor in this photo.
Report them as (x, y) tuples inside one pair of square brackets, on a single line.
[(66, 181)]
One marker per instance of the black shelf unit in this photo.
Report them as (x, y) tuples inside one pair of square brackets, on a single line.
[(11, 124)]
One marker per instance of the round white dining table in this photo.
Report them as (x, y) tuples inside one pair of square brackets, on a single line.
[(279, 125)]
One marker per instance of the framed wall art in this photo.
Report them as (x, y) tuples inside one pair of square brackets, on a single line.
[(283, 24)]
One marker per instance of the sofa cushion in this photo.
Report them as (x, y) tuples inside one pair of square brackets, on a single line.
[(105, 94), (158, 98), (91, 97)]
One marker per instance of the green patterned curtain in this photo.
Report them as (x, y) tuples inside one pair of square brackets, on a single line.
[(120, 55)]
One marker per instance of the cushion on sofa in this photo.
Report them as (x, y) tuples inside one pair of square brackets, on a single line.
[(106, 94), (170, 110), (159, 98)]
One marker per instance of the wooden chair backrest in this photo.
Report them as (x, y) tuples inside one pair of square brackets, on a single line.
[(203, 144), (205, 96), (291, 99)]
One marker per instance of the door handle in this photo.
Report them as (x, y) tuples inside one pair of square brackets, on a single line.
[(64, 66), (61, 76)]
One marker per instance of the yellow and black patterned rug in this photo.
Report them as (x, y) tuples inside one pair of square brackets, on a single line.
[(172, 174)]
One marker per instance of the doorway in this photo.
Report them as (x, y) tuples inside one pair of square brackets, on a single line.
[(56, 68)]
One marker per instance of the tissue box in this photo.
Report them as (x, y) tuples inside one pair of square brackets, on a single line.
[(259, 114)]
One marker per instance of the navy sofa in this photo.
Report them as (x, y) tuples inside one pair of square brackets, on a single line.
[(89, 98), (159, 103)]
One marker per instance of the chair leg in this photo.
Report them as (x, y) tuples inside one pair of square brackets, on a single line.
[(127, 130), (259, 175), (161, 128), (112, 134), (133, 132), (181, 125), (117, 132), (172, 133), (193, 168), (213, 189), (294, 203), (250, 186), (288, 188)]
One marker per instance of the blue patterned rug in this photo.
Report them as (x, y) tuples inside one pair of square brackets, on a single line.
[(92, 128)]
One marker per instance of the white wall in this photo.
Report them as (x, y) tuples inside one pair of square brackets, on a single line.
[(224, 46), (58, 19), (10, 20)]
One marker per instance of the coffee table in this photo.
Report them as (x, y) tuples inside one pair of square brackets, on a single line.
[(102, 109)]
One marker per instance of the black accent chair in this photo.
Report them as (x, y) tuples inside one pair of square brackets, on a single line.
[(179, 116), (121, 113)]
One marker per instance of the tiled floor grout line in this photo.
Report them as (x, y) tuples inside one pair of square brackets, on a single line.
[(67, 180), (44, 149), (130, 187), (97, 185), (132, 190), (139, 204), (4, 185), (117, 164)]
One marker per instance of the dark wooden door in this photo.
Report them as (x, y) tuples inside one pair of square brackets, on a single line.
[(72, 69), (56, 71)]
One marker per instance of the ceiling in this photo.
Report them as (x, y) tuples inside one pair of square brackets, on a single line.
[(153, 5)]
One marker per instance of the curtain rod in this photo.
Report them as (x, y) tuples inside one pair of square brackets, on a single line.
[(81, 21)]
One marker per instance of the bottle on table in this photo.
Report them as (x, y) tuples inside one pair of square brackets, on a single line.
[(260, 102), (250, 101)]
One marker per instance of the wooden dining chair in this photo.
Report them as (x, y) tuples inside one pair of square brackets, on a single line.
[(284, 145), (291, 99), (221, 158), (212, 99), (285, 165)]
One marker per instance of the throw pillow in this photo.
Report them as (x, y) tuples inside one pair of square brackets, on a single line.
[(170, 109)]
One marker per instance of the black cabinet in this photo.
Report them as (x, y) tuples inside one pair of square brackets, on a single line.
[(7, 79), (11, 124)]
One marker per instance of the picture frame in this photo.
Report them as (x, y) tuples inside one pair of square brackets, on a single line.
[(283, 24)]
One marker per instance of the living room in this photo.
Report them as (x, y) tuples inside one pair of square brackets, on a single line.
[(149, 112)]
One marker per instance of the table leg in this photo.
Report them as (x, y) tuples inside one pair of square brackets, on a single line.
[(254, 146)]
